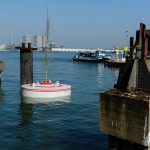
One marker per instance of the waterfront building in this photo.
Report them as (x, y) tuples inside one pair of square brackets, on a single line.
[(44, 39), (38, 41), (27, 39)]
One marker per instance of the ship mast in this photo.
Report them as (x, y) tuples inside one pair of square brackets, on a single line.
[(10, 36), (47, 47)]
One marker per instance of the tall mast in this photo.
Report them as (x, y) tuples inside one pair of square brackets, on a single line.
[(47, 30), (10, 36), (47, 47)]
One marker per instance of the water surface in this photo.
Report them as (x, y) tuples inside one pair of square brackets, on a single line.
[(72, 125)]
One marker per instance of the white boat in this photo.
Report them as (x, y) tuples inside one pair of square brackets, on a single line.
[(46, 90)]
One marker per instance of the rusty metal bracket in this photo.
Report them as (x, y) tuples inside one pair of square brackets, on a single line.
[(136, 72)]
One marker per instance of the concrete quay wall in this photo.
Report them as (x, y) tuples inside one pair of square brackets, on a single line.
[(126, 115)]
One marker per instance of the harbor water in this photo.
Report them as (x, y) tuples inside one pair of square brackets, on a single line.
[(59, 125)]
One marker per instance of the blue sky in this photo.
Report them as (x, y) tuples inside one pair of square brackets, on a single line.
[(75, 23)]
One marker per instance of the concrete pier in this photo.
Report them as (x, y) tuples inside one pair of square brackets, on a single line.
[(125, 115), (125, 109)]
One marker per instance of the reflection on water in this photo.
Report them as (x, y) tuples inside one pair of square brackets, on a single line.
[(57, 100), (34, 126), (27, 104), (26, 111), (1, 94)]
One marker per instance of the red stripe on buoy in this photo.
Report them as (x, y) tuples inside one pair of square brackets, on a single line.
[(39, 90)]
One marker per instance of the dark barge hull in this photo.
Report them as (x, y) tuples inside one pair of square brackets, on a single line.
[(87, 60), (115, 64)]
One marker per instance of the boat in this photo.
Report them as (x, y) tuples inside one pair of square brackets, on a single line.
[(116, 62), (107, 57), (115, 50), (88, 56), (46, 89)]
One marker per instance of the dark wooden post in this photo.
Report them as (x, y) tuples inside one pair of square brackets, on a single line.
[(26, 63), (142, 39), (1, 69), (131, 47)]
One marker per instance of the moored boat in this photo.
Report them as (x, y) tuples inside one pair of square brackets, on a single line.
[(87, 56), (116, 62)]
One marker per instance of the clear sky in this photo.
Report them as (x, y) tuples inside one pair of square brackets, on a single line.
[(75, 23)]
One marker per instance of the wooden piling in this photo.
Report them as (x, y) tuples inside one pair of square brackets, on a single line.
[(26, 63), (131, 47), (1, 69)]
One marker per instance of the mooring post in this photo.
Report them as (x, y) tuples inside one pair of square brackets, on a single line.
[(1, 70), (131, 47), (26, 63), (125, 110)]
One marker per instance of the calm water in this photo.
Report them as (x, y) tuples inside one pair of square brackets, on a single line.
[(73, 125)]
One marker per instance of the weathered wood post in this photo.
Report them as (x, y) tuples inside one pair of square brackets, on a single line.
[(125, 110), (1, 70), (131, 47), (26, 63)]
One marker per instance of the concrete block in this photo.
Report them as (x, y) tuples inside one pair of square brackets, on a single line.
[(126, 115)]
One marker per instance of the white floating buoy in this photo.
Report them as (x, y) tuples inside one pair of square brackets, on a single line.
[(46, 90)]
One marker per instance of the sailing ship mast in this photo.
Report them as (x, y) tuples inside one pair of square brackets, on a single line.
[(11, 35), (47, 47), (10, 38)]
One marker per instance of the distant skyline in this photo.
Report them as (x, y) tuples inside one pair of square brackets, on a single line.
[(74, 23)]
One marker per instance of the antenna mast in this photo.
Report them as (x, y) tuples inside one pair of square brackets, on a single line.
[(47, 47), (10, 36)]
